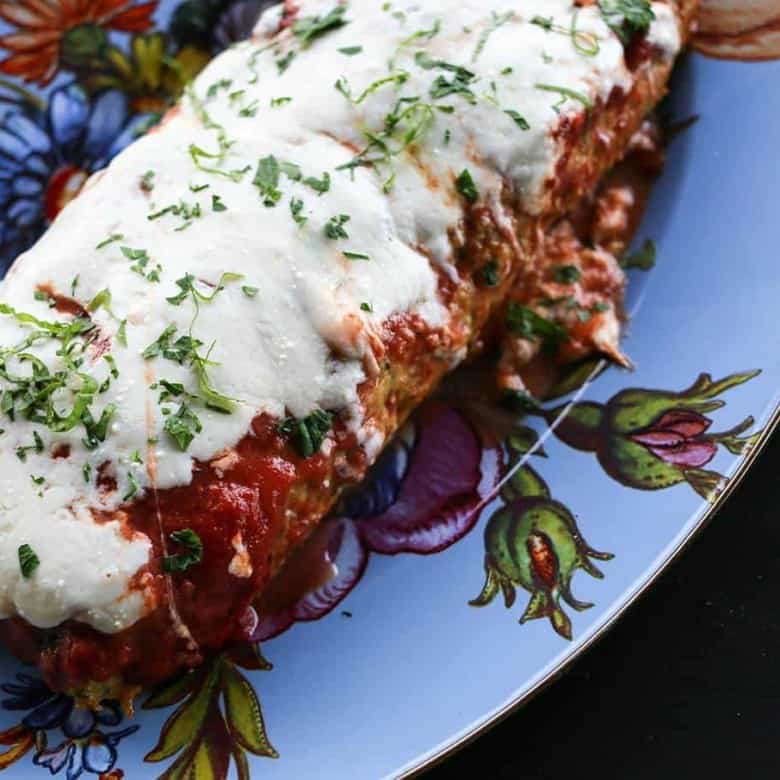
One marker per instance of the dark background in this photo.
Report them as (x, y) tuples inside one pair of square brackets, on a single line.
[(687, 684)]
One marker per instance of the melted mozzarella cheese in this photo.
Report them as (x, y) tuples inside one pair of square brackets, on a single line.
[(300, 341)]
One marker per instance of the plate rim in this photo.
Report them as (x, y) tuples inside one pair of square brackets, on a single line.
[(744, 465)]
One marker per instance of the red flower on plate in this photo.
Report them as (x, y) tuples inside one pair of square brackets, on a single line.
[(53, 32)]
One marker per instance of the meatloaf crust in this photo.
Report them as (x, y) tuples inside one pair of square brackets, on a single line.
[(254, 502)]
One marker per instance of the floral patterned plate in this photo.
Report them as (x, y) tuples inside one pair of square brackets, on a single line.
[(471, 567)]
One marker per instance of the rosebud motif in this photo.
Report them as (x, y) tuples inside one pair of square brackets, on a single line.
[(533, 542), (653, 439)]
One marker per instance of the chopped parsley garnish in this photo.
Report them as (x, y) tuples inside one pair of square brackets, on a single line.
[(291, 170), (320, 185), (96, 429), (211, 92), (355, 255), (280, 101), (296, 207), (101, 300), (307, 434), (121, 334), (198, 154), (334, 227), (309, 28), (506, 71), (350, 51), (187, 211), (187, 287), (518, 119), (44, 296), (545, 22), (87, 472), (627, 18), (529, 325), (496, 20), (28, 560), (184, 351), (32, 395), (365, 306), (488, 274), (643, 258), (132, 487), (566, 274), (565, 94), (199, 187), (140, 261), (442, 87), (343, 87), (36, 446), (585, 43), (267, 180), (147, 181), (250, 110), (250, 292), (415, 37), (171, 390), (183, 426), (465, 185), (37, 480), (282, 63), (193, 551), (217, 204), (110, 240)]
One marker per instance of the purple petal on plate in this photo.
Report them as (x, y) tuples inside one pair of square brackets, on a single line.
[(346, 556), (79, 723), (449, 475), (690, 455), (380, 489), (49, 715), (54, 759), (658, 439)]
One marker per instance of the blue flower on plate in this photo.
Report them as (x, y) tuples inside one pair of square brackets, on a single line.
[(85, 748), (45, 158)]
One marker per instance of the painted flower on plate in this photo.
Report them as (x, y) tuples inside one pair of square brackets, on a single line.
[(238, 21), (46, 158), (653, 439), (84, 747), (533, 542), (54, 33)]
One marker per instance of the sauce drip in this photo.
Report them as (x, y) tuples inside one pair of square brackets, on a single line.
[(306, 570)]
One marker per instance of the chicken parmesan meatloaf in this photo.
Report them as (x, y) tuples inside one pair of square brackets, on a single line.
[(223, 330)]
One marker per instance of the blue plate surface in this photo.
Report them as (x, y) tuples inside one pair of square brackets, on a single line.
[(412, 647)]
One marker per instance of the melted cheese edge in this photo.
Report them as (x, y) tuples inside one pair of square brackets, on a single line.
[(300, 342)]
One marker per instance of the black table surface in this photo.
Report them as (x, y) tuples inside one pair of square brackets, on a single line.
[(686, 685)]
